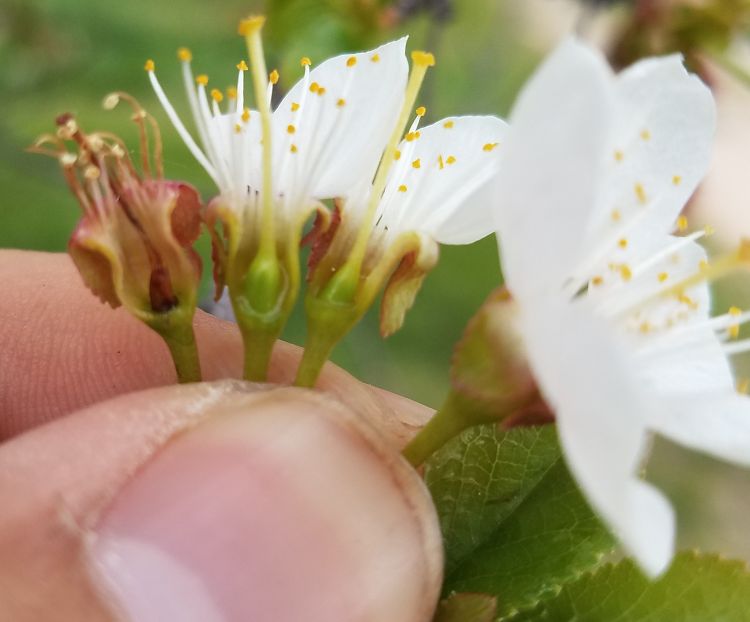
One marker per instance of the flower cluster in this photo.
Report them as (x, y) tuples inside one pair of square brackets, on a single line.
[(606, 320)]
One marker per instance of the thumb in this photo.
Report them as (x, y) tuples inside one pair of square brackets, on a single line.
[(214, 503)]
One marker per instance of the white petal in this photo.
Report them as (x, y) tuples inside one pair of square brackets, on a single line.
[(551, 167), (338, 145), (660, 150), (715, 423), (585, 376), (447, 174)]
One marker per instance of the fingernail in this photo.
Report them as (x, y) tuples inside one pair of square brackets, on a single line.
[(282, 507)]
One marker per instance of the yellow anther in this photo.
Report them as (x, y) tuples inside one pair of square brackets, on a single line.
[(686, 300), (425, 59), (645, 327), (397, 155), (625, 272), (202, 79), (734, 311), (295, 106), (305, 61), (441, 162), (321, 90), (676, 180), (351, 61), (421, 111), (645, 135), (663, 276), (185, 55), (597, 280), (619, 155), (490, 146), (402, 188), (375, 58), (417, 163), (273, 77), (682, 224), (616, 215), (733, 331), (242, 65), (709, 230), (743, 385), (217, 95), (622, 243), (246, 115), (314, 87), (450, 160), (341, 102), (237, 128), (291, 129), (251, 25), (411, 136), (232, 92), (640, 193), (149, 66), (293, 148), (448, 125)]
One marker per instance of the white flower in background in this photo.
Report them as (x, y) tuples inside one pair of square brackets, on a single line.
[(614, 309)]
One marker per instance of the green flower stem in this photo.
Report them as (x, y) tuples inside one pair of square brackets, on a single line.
[(258, 346), (176, 328), (327, 323), (456, 415)]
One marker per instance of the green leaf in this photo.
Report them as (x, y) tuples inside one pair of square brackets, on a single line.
[(467, 608), (697, 588), (514, 523)]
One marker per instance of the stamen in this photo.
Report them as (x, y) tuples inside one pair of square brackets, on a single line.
[(305, 61), (645, 135), (351, 61), (273, 77), (417, 163), (682, 224), (402, 188), (291, 129), (202, 79), (616, 215), (421, 111), (450, 160), (676, 180), (180, 128), (295, 106), (185, 55), (341, 103), (490, 146), (743, 385), (217, 95), (448, 125), (232, 92), (619, 155), (242, 66), (149, 66), (622, 243), (375, 58), (640, 193)]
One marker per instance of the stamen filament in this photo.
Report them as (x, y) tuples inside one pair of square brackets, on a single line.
[(181, 130)]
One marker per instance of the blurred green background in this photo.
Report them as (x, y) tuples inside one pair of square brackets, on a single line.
[(65, 55)]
